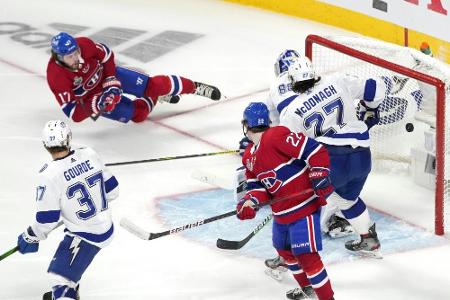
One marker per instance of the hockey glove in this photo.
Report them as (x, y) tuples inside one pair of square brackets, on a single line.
[(321, 182), (28, 242), (243, 143), (110, 97), (370, 116), (247, 207)]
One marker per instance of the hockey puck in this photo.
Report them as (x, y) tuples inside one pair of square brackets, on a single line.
[(409, 127)]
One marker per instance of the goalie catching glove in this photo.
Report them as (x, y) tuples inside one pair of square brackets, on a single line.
[(247, 207), (111, 95)]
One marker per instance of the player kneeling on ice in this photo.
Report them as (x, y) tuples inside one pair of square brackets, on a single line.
[(288, 166), (86, 82), (73, 189)]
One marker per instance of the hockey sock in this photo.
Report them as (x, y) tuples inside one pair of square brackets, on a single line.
[(162, 85), (317, 275), (357, 215), (141, 110), (294, 267)]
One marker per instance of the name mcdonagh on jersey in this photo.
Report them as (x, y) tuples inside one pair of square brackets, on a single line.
[(315, 99), (77, 170)]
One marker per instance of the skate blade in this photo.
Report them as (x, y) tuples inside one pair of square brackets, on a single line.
[(369, 254), (340, 234), (274, 273)]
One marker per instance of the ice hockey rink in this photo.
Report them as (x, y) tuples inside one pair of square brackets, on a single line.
[(230, 46)]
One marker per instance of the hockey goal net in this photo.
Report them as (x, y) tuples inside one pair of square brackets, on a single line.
[(413, 133)]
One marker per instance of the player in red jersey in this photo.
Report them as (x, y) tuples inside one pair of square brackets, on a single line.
[(86, 82), (294, 169)]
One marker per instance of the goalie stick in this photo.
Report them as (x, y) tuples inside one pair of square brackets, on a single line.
[(146, 235), (235, 245)]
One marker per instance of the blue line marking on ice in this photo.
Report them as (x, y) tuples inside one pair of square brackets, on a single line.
[(395, 235)]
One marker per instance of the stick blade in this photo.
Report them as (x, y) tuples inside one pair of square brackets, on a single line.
[(228, 245), (134, 229)]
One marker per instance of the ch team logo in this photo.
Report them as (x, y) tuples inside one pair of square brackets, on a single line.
[(270, 181)]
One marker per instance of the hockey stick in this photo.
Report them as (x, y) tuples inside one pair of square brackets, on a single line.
[(170, 158), (145, 235), (235, 245), (131, 227), (9, 252)]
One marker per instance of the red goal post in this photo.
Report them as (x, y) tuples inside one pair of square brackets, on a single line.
[(364, 56)]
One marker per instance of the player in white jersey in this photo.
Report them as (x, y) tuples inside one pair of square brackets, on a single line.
[(73, 189), (325, 109), (332, 222)]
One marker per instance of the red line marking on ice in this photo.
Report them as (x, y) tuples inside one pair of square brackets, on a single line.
[(192, 136), (220, 102)]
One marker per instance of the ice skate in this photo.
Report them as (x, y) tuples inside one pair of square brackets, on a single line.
[(306, 292), (169, 99), (206, 90), (274, 263), (368, 245), (339, 227), (275, 268)]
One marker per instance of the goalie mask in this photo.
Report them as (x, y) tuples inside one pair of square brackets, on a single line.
[(284, 60), (56, 133)]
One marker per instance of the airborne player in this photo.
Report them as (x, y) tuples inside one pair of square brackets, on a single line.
[(86, 82)]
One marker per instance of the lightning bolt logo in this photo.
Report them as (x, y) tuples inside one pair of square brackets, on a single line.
[(75, 248)]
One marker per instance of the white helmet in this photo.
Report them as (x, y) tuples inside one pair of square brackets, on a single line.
[(301, 69), (56, 133)]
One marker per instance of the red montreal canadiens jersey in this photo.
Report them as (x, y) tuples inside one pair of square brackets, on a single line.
[(74, 90), (278, 167)]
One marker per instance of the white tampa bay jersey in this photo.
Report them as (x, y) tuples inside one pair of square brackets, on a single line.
[(327, 112), (76, 189), (279, 90)]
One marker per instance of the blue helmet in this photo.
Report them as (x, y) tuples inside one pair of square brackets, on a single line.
[(64, 44), (256, 114), (284, 60)]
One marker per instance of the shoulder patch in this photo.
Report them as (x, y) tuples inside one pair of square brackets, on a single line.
[(43, 168)]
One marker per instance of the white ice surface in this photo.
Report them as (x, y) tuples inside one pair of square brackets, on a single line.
[(237, 54)]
